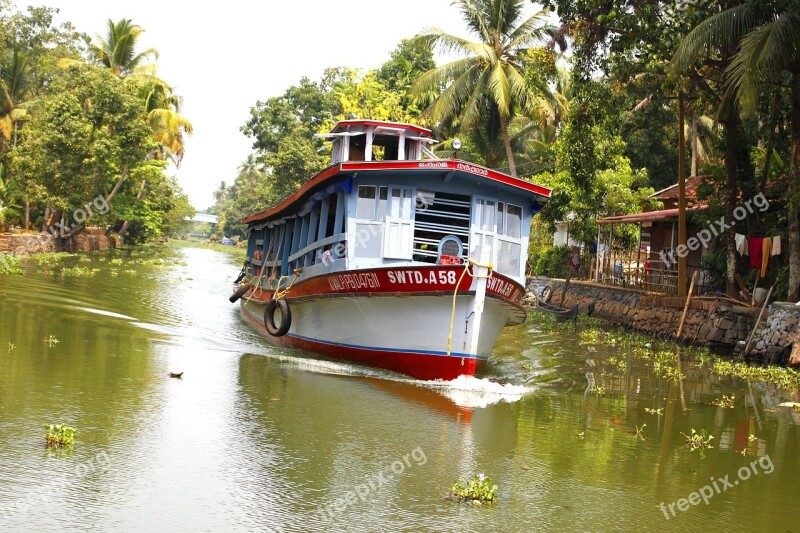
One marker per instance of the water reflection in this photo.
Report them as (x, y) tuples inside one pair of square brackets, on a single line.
[(260, 437)]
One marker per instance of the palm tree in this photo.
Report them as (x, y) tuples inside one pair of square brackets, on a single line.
[(221, 193), (763, 36), (13, 90), (769, 55), (493, 66), (249, 170), (714, 41), (167, 124), (117, 50)]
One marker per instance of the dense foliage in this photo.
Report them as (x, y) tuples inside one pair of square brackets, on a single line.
[(86, 132)]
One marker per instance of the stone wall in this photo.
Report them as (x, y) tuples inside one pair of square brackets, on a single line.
[(89, 239), (708, 322)]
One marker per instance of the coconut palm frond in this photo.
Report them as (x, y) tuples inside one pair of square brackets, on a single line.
[(763, 55), (500, 88), (721, 31), (534, 29)]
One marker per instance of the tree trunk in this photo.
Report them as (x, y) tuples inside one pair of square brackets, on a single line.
[(117, 185), (694, 143), (793, 203), (731, 196), (507, 141), (776, 109), (27, 215)]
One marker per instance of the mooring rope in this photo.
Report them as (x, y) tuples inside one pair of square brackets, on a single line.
[(467, 263)]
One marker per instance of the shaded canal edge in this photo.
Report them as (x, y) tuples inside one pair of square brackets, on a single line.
[(710, 323), (90, 239)]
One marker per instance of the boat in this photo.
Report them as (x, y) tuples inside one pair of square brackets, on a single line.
[(391, 257), (560, 313)]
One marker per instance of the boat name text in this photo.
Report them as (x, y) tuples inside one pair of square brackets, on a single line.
[(340, 282), (473, 169), (432, 277)]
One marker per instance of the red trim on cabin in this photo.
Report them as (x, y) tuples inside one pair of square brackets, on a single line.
[(289, 200), (357, 122), (428, 164)]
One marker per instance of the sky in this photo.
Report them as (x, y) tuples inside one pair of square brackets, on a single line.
[(222, 60)]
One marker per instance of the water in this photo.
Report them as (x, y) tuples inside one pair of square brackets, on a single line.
[(257, 437)]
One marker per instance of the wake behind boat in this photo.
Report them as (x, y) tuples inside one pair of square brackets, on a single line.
[(391, 257)]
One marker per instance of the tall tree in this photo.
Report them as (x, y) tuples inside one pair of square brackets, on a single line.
[(117, 50), (769, 55), (493, 67), (713, 43)]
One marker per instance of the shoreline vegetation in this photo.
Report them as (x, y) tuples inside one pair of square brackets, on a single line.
[(668, 358)]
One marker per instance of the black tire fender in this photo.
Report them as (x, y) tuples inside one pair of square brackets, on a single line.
[(269, 318), (238, 293)]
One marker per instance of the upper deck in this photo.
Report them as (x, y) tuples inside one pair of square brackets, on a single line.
[(388, 200)]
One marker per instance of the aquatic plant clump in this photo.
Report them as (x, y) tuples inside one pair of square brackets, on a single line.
[(698, 441), (59, 435), (9, 264), (479, 489)]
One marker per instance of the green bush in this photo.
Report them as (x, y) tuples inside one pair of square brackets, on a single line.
[(552, 262)]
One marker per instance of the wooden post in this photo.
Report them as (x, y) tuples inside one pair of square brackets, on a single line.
[(794, 359), (566, 284), (747, 347), (686, 306)]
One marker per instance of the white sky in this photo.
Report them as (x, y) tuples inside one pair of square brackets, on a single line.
[(222, 60)]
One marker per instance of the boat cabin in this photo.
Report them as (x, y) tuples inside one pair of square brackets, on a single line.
[(387, 200)]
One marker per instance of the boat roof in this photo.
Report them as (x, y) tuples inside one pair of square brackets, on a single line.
[(345, 125), (462, 169)]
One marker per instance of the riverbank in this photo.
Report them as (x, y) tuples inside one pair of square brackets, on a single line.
[(708, 322), (90, 239)]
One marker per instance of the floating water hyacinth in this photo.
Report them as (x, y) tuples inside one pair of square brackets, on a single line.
[(59, 435), (478, 490)]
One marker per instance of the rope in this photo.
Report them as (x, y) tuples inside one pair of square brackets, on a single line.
[(490, 268), (261, 272), (281, 293)]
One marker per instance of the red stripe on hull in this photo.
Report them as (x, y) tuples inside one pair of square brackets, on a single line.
[(417, 365)]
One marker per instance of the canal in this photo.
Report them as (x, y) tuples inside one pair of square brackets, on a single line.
[(579, 432)]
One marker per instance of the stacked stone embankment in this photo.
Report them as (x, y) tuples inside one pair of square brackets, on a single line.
[(31, 243), (708, 322)]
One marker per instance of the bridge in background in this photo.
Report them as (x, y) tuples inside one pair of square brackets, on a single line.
[(205, 217)]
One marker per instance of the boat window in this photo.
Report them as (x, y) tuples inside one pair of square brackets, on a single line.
[(365, 209), (382, 198), (358, 147), (385, 148), (438, 215), (401, 203), (508, 257), (485, 214), (514, 221)]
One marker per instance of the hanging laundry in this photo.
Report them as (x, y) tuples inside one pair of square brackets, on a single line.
[(766, 248), (741, 244), (755, 246), (776, 245)]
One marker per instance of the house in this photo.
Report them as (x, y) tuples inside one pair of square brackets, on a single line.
[(653, 263)]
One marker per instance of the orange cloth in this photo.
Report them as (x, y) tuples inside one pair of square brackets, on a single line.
[(767, 247)]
